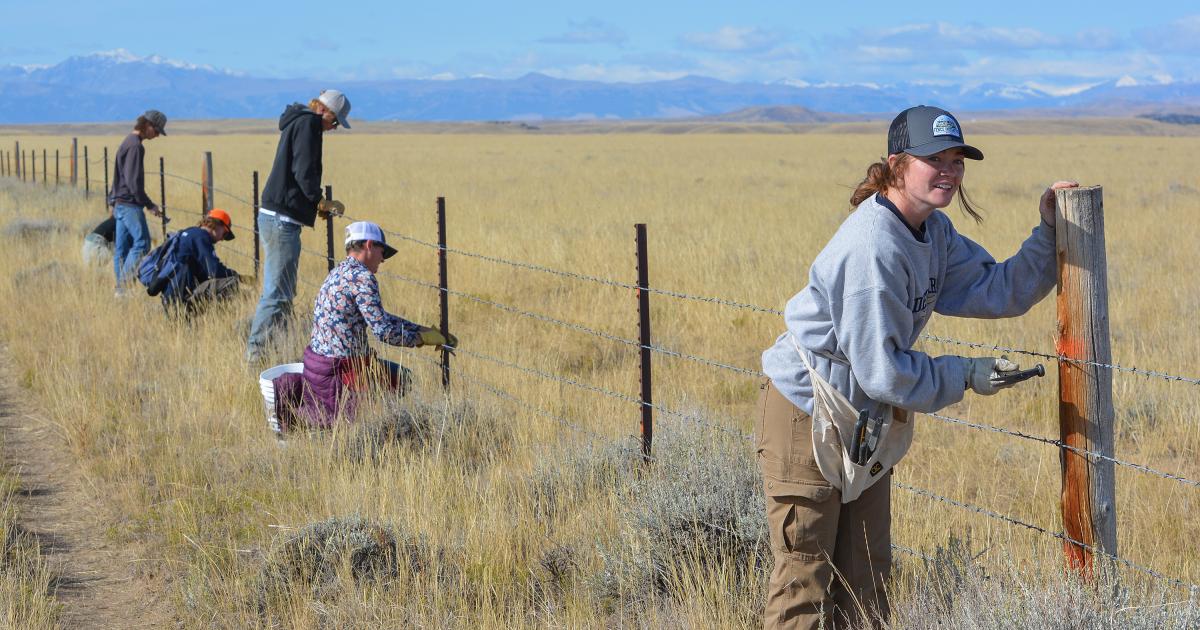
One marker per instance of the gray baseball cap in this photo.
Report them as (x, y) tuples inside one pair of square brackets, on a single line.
[(158, 119), (338, 104), (925, 130)]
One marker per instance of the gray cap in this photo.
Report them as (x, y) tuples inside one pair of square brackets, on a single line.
[(925, 130), (338, 104), (158, 119)]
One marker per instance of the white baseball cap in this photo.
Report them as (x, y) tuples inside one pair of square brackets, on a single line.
[(338, 104), (367, 231)]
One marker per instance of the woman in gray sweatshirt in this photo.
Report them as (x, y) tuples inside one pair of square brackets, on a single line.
[(847, 353)]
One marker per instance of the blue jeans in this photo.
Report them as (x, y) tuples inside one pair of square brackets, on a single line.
[(281, 250), (131, 243)]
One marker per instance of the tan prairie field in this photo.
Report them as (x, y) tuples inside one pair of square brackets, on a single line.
[(167, 423)]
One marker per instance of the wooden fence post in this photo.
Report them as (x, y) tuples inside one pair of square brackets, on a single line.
[(206, 183), (1085, 410), (643, 298)]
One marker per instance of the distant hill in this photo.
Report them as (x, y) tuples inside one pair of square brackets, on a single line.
[(792, 114), (116, 86)]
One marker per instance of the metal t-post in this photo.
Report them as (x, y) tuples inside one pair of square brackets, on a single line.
[(443, 292), (643, 298), (329, 231)]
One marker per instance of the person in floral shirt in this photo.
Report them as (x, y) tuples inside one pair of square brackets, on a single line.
[(339, 362)]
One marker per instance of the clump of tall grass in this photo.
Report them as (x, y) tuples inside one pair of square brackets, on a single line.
[(26, 582), (698, 508), (952, 589), (330, 558), (455, 428)]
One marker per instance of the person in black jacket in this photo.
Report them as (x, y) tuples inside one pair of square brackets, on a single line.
[(200, 277), (291, 199)]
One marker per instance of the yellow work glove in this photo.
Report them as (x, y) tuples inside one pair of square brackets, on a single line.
[(326, 207), (434, 337), (981, 371)]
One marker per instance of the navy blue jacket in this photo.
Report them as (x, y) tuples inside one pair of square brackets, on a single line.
[(197, 262), (294, 186)]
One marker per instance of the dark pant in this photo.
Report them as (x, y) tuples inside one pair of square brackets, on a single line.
[(206, 293), (832, 560)]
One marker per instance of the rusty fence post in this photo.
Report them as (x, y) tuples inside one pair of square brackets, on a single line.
[(254, 217), (162, 191), (87, 174), (33, 154), (56, 160), (106, 189), (17, 158), (1085, 389), (206, 183), (74, 161), (643, 299), (443, 290)]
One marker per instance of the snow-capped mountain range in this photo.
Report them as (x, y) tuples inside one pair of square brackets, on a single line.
[(117, 85)]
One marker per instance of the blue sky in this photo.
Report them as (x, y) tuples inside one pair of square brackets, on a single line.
[(1047, 44)]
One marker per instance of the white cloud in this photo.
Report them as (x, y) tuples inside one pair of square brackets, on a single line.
[(733, 39), (1181, 36), (589, 31)]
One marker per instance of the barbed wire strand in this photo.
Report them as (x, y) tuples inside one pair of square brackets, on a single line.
[(1059, 357), (576, 327), (541, 411), (198, 184), (1042, 530), (1063, 445)]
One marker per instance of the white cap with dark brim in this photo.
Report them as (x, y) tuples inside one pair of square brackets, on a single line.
[(367, 231)]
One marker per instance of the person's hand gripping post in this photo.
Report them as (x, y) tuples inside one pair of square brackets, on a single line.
[(326, 207), (434, 337)]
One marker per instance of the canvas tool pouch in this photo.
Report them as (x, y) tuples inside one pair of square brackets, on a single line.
[(833, 420)]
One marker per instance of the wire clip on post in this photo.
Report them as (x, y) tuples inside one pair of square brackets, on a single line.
[(643, 299), (444, 290)]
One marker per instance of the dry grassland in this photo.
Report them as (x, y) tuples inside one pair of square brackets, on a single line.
[(167, 420)]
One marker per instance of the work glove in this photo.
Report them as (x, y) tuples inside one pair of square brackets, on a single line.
[(326, 207), (981, 371), (434, 337)]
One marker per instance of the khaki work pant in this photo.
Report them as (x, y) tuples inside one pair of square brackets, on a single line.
[(832, 561)]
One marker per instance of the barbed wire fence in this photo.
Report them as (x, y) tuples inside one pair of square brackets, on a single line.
[(14, 164)]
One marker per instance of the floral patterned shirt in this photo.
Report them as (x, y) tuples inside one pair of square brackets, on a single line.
[(347, 303)]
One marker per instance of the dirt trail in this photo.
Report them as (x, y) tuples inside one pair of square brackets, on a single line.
[(99, 584)]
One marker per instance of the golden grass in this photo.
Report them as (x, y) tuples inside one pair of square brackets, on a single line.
[(169, 421)]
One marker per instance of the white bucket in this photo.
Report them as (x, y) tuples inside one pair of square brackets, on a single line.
[(267, 385)]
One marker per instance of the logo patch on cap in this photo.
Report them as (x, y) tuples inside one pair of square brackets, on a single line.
[(945, 125)]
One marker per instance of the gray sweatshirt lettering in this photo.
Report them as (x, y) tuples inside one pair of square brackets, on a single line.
[(871, 292)]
